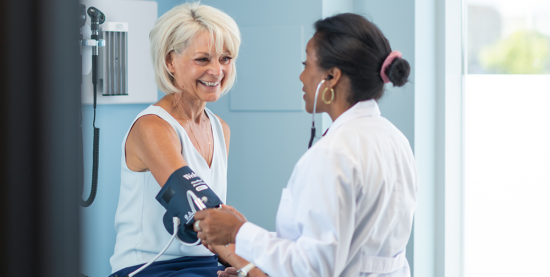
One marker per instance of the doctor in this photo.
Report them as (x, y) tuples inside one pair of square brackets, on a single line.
[(348, 207)]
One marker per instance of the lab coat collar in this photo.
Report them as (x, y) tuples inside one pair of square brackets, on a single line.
[(360, 109)]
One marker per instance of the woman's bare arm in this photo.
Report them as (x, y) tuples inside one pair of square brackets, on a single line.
[(154, 145), (227, 254)]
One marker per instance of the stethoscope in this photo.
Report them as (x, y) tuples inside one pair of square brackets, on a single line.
[(314, 109)]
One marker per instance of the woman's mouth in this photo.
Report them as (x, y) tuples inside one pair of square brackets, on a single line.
[(209, 84)]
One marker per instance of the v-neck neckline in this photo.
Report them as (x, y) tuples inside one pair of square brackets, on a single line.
[(212, 129)]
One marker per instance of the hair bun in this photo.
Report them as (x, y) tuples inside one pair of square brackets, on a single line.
[(398, 72)]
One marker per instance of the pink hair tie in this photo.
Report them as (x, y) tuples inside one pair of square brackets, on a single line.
[(387, 62)]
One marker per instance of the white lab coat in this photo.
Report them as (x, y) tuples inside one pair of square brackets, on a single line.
[(348, 207)]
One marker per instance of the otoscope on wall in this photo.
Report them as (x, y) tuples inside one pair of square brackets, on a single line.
[(97, 18)]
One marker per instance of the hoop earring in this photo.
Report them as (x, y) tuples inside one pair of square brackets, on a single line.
[(331, 97)]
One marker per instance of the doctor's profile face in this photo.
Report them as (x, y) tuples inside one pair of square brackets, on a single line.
[(310, 77), (200, 71)]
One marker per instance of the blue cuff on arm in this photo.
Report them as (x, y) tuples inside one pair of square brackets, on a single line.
[(183, 195)]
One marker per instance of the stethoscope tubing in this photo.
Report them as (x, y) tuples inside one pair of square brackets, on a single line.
[(313, 116)]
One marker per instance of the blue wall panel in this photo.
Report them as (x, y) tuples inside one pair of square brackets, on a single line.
[(262, 85)]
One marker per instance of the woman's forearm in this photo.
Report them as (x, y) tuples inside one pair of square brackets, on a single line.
[(227, 254)]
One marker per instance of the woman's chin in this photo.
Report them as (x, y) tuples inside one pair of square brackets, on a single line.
[(212, 99), (210, 96)]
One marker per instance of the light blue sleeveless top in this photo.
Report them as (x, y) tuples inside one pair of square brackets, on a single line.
[(138, 221)]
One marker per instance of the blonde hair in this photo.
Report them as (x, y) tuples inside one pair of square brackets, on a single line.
[(175, 29)]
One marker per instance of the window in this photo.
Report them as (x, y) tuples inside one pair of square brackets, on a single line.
[(508, 37), (507, 138)]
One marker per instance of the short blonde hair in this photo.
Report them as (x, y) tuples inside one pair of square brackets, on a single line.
[(175, 29)]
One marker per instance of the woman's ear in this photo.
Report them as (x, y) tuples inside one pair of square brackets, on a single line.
[(170, 64), (333, 77)]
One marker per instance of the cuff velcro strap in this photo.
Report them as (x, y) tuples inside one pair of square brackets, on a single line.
[(183, 195)]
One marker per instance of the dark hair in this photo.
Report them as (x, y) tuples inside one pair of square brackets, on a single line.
[(358, 48)]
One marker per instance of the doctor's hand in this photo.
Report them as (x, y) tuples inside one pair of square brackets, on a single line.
[(217, 226)]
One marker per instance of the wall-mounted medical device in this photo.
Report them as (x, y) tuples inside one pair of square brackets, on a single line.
[(96, 18), (115, 59), (126, 74)]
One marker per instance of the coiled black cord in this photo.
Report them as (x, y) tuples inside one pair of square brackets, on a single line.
[(95, 167), (95, 164)]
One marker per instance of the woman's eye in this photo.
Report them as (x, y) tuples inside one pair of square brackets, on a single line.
[(225, 60), (202, 60)]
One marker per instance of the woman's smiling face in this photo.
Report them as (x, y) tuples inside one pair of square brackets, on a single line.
[(199, 70)]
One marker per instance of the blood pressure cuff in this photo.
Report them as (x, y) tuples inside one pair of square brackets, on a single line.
[(183, 195)]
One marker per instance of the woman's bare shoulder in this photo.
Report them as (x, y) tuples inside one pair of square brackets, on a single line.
[(151, 123), (151, 132), (226, 132), (154, 145), (225, 126)]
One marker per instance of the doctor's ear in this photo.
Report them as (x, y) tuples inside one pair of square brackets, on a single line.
[(333, 75)]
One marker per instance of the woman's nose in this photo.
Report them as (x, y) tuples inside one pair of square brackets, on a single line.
[(215, 68)]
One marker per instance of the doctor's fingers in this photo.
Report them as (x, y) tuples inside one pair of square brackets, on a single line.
[(200, 216), (220, 226), (203, 239), (217, 219), (208, 241), (214, 236), (210, 247)]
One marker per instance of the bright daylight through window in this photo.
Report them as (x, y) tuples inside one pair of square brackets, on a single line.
[(507, 138)]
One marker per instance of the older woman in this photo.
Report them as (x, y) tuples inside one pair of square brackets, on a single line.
[(349, 204), (194, 48)]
